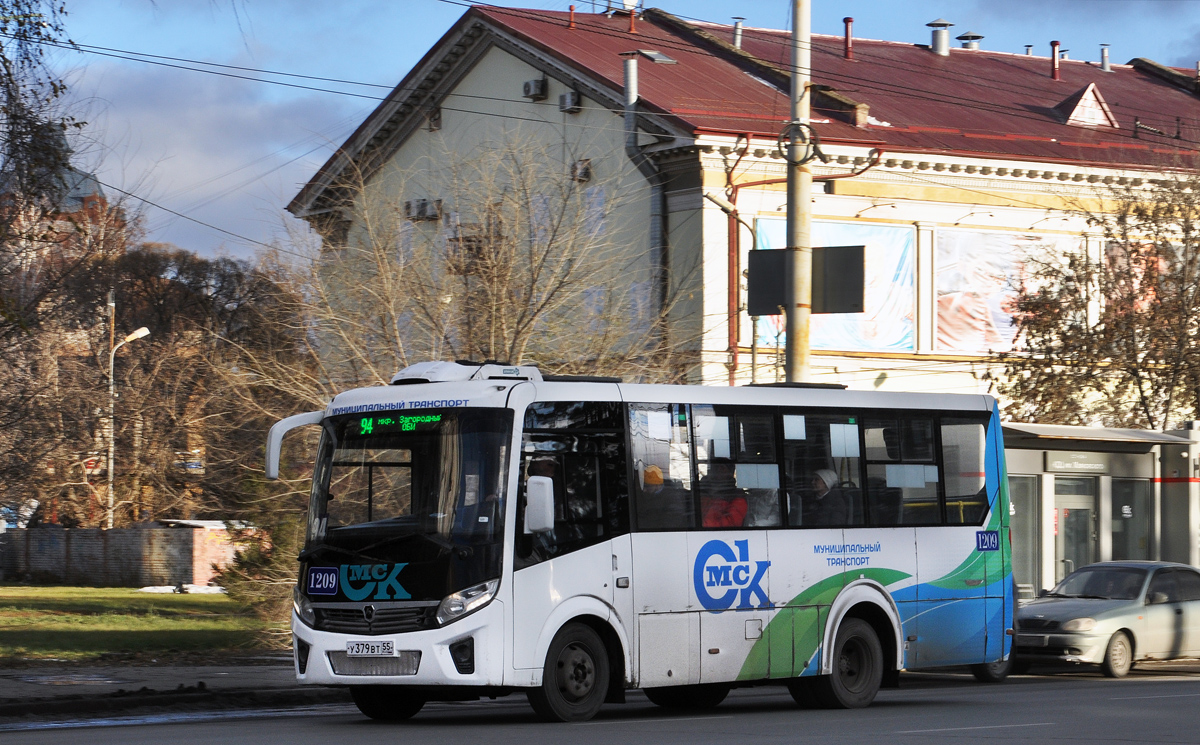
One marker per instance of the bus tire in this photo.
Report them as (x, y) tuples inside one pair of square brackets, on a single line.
[(575, 678), (385, 703), (857, 668), (993, 672), (693, 698)]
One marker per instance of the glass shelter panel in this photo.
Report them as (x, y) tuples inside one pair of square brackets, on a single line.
[(1130, 519)]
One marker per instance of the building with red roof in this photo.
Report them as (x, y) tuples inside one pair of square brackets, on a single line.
[(945, 164)]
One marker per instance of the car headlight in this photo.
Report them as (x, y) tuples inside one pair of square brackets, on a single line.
[(304, 608), (464, 602), (1079, 624)]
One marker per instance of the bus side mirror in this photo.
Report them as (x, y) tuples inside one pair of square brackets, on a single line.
[(539, 504)]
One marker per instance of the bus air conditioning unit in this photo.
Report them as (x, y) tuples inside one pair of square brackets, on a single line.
[(535, 90)]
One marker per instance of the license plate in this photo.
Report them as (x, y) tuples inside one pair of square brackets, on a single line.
[(1031, 640), (370, 649)]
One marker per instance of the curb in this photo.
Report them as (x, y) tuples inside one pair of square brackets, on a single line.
[(187, 698)]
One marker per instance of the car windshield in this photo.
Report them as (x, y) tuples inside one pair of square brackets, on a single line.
[(1115, 583), (433, 472)]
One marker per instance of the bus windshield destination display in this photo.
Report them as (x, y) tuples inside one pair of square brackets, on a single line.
[(401, 423)]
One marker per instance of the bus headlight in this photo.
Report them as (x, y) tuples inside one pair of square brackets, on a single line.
[(464, 602), (1079, 624), (304, 609)]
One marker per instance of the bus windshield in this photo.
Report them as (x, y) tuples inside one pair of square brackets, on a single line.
[(385, 476)]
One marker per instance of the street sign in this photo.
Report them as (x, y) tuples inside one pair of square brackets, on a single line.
[(837, 274)]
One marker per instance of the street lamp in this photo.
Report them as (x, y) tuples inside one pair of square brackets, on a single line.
[(112, 411)]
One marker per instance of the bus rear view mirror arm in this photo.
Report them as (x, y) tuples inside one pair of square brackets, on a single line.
[(281, 428), (539, 504)]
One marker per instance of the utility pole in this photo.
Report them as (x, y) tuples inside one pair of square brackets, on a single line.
[(112, 391), (799, 199)]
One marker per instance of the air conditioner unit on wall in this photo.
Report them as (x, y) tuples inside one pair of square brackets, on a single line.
[(535, 90), (581, 170), (570, 102), (422, 209)]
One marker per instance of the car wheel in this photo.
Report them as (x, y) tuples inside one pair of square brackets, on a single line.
[(857, 668), (688, 697), (575, 678), (1118, 658), (385, 703), (993, 672)]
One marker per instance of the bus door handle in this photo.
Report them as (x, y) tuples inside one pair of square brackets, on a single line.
[(622, 582)]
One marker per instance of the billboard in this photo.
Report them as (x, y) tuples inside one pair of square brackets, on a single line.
[(886, 324)]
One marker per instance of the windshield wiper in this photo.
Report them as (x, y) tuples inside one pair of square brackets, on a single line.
[(1094, 597), (314, 550), (441, 543)]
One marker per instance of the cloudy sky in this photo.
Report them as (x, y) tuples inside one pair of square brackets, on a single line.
[(232, 152)]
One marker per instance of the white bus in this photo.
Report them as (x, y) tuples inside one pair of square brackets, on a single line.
[(482, 529)]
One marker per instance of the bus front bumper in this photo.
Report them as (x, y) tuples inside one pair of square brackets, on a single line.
[(420, 658)]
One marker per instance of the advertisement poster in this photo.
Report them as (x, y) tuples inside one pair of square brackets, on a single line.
[(887, 323), (978, 275)]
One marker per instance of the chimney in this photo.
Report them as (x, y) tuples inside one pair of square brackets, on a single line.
[(631, 80), (571, 23), (737, 31), (970, 40), (848, 50), (1062, 54), (1028, 50), (1104, 65), (941, 37), (1054, 61)]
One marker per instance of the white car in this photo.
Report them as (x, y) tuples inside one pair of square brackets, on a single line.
[(1113, 614)]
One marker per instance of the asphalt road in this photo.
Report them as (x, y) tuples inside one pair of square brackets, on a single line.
[(1149, 707)]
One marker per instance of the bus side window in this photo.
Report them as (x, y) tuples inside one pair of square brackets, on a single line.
[(580, 446), (963, 462), (738, 467), (902, 472), (822, 461), (662, 457)]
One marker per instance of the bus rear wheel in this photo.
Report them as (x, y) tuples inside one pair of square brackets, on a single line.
[(385, 703), (688, 697), (575, 678), (857, 668)]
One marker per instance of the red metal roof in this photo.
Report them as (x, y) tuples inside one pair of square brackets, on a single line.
[(972, 102)]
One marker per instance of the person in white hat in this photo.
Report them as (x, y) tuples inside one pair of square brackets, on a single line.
[(827, 505)]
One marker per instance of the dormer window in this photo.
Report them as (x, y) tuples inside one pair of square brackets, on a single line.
[(1086, 108)]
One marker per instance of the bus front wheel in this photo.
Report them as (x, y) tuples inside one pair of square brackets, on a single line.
[(857, 668), (575, 678), (385, 703)]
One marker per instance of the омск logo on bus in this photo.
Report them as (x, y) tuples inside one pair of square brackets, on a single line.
[(723, 576)]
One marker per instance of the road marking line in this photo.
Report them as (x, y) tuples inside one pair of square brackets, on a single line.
[(643, 721), (1171, 695), (963, 729)]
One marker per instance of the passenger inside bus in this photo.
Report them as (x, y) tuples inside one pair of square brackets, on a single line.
[(828, 504), (723, 504)]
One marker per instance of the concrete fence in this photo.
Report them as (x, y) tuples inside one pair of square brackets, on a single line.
[(181, 551)]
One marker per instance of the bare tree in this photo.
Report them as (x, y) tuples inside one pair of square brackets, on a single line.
[(1110, 335)]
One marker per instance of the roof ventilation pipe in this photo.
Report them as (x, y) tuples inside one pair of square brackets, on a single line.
[(941, 36), (737, 31), (1054, 73), (848, 50), (1028, 50), (1104, 64), (970, 40), (653, 176)]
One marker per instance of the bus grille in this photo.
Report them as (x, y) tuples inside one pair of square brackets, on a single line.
[(404, 663), (386, 620)]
